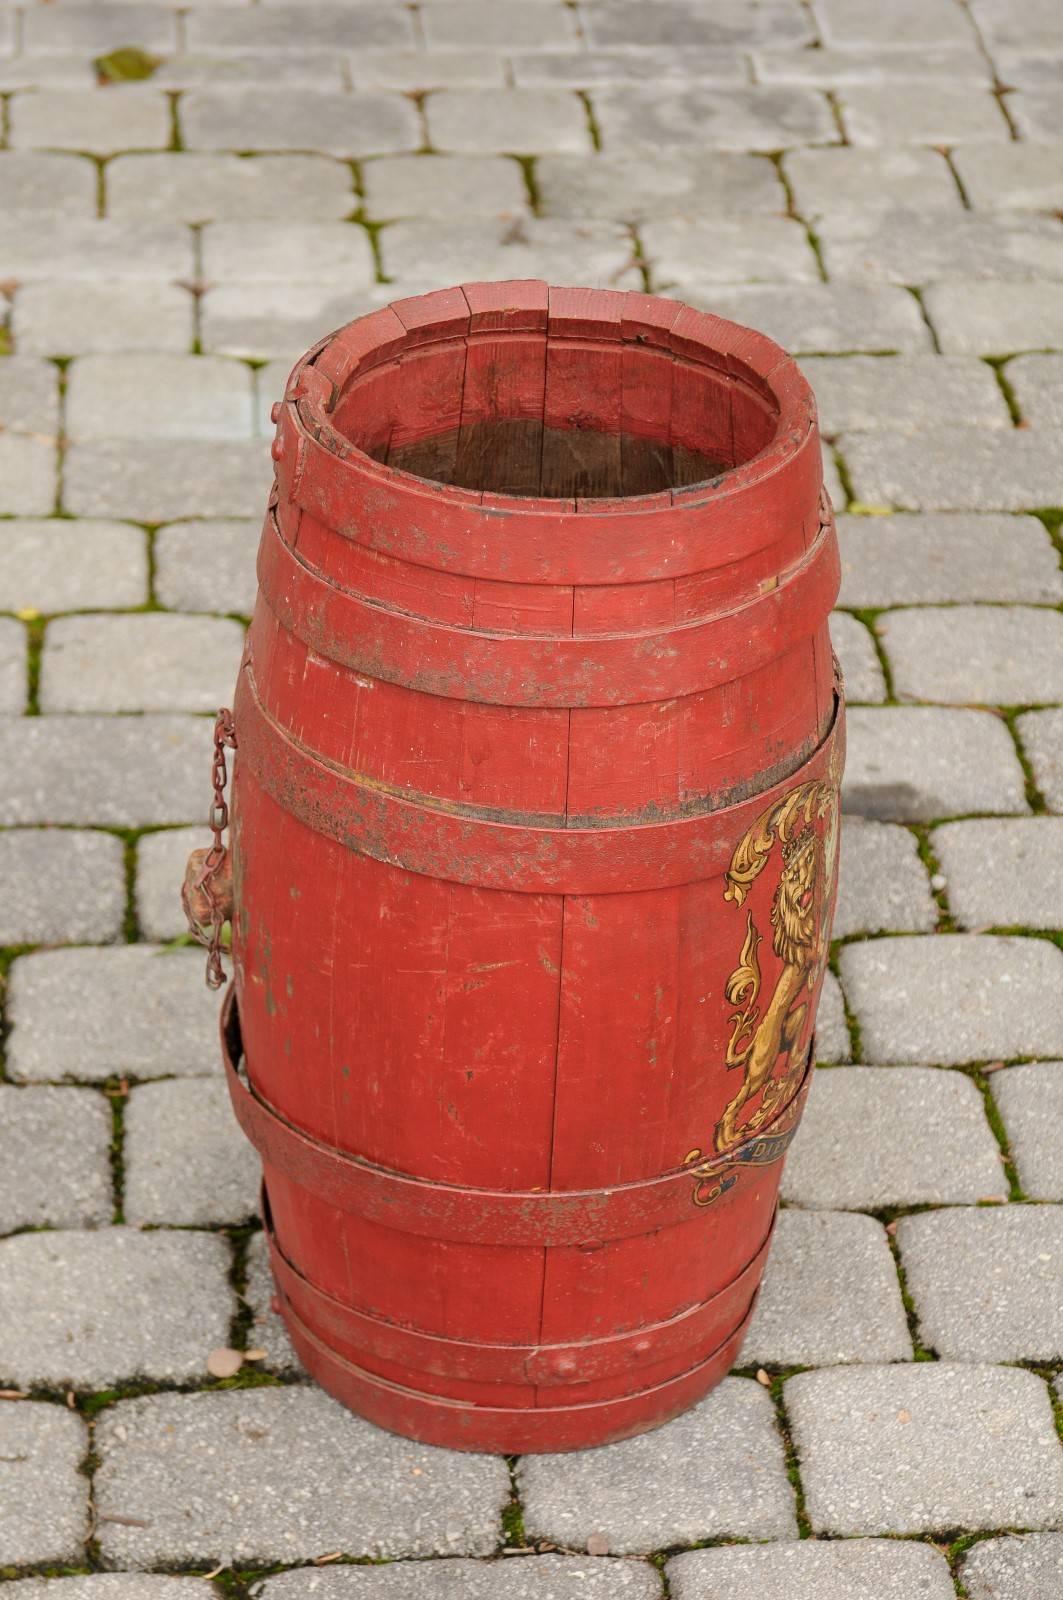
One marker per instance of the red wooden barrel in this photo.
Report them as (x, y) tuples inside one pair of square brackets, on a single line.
[(536, 804)]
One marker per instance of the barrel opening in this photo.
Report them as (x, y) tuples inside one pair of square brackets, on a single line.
[(537, 415)]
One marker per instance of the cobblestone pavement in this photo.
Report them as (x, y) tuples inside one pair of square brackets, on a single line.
[(878, 184)]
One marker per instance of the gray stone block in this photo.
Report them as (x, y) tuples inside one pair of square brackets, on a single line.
[(186, 187), (55, 1158), (821, 318), (832, 482), (953, 998), (158, 397), (1027, 1566), (899, 247), (989, 655), (896, 1136), (1026, 24), (97, 250), (1035, 114), (860, 394), (1012, 177), (1030, 1100), (905, 560), (500, 25), (829, 67), (109, 1586), (267, 1330), (842, 182), (857, 1569), (987, 1283), (855, 649), (161, 480), (921, 114), (63, 769), (680, 24), (27, 475), (586, 69), (35, 71), (291, 29), (855, 23), (925, 1447), (88, 1310), (288, 252), (444, 186), (268, 69), (629, 188), (29, 396), (698, 253), (98, 121), (331, 123), (282, 1474), (541, 1577), (996, 318), (917, 763), (161, 861), (613, 1490), (1003, 874), (73, 319), (61, 887), (832, 1030), (1041, 733), (12, 665), (1020, 68), (44, 1498), (141, 1012), (208, 565), (58, 565), (187, 1163), (432, 253), (42, 182), (955, 469), (511, 121), (882, 884), (419, 70), (140, 662), (278, 320), (830, 1294), (768, 117), (1037, 382), (99, 28)]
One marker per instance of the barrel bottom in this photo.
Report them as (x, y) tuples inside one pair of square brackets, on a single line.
[(503, 1430)]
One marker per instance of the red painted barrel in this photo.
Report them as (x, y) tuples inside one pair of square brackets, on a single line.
[(536, 808)]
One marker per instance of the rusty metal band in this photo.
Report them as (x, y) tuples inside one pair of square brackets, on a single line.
[(485, 1427), (481, 1216), (355, 1334), (458, 843), (542, 671)]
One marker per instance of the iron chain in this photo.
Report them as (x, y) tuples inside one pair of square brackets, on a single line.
[(224, 739)]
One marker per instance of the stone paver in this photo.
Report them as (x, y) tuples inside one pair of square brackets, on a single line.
[(989, 655), (191, 187), (264, 320), (208, 565), (275, 1474), (267, 1331), (56, 565), (1030, 1100), (861, 394), (940, 1147), (832, 1030), (161, 861), (73, 319), (44, 1499), (630, 188), (906, 1449), (822, 318), (700, 252), (973, 318), (1011, 177), (97, 250), (27, 475), (906, 560), (987, 1283), (955, 469), (840, 181), (916, 763), (769, 117), (55, 1153), (361, 124), (93, 30), (446, 186), (1032, 113), (61, 887), (1041, 733), (608, 1491), (515, 121), (143, 662), (830, 1294), (119, 1305), (502, 24), (1038, 385), (898, 247), (1003, 874), (150, 396), (63, 769), (296, 27), (862, 23), (29, 395), (543, 1577), (914, 113), (94, 120), (161, 480), (855, 649), (593, 252), (13, 678), (955, 997), (628, 24), (861, 1569), (1028, 1566), (288, 252), (882, 884), (35, 182), (141, 1012), (186, 1160), (108, 1586)]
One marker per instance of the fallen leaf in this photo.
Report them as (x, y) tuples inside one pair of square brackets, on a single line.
[(762, 1377), (993, 1066), (255, 1355), (27, 614), (217, 1570), (597, 1544), (223, 1363), (12, 1394), (904, 1416), (70, 1399), (323, 1561), (891, 1227)]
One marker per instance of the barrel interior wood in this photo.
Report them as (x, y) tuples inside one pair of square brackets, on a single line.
[(556, 418)]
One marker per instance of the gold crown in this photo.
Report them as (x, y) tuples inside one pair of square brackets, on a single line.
[(800, 841)]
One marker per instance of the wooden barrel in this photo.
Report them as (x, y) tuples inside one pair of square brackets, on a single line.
[(535, 831)]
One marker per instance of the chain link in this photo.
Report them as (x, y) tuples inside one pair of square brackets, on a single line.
[(217, 856)]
